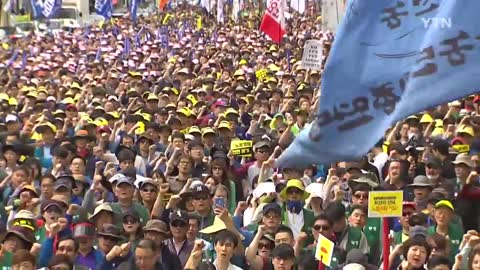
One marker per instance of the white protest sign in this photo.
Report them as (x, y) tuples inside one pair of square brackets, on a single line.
[(312, 55)]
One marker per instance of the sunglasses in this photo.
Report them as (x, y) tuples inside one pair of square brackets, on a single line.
[(407, 214), (266, 245), (216, 169), (149, 190), (130, 221), (109, 238), (271, 216), (263, 151), (318, 227), (178, 223), (294, 191), (361, 196)]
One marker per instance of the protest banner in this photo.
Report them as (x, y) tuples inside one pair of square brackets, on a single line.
[(385, 203), (312, 55), (242, 148), (324, 250)]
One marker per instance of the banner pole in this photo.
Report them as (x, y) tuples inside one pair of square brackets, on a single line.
[(386, 243)]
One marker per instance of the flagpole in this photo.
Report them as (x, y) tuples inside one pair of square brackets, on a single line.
[(321, 266)]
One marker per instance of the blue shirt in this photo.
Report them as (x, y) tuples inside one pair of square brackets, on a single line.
[(92, 259)]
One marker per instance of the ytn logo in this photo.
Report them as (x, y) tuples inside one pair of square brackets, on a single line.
[(437, 22)]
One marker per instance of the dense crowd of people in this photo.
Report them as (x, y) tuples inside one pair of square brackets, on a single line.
[(153, 145)]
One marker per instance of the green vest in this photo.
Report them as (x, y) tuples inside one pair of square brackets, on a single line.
[(373, 233), (354, 236), (6, 262), (398, 238), (41, 234), (455, 234), (138, 208)]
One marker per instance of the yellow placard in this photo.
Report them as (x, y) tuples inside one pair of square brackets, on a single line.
[(461, 148), (261, 74), (324, 251), (385, 203), (242, 148)]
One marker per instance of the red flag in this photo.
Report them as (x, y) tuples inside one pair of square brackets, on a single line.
[(162, 4), (273, 22)]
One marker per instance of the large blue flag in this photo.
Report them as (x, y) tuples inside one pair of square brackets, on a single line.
[(45, 8), (104, 8), (390, 59), (133, 10)]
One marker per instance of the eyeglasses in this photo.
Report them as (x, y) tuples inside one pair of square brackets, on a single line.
[(265, 245), (272, 216), (318, 227), (178, 223), (201, 197), (407, 214), (130, 221), (360, 196), (149, 190)]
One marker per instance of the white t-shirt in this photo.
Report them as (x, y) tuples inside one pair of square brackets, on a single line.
[(230, 267)]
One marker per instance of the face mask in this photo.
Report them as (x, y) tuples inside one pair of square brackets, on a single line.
[(295, 206)]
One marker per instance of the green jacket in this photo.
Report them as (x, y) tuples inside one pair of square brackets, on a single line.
[(455, 234), (137, 208), (232, 197), (308, 217)]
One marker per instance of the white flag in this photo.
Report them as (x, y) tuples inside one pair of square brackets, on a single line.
[(235, 10), (332, 14), (220, 18), (206, 4), (7, 6), (298, 5)]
